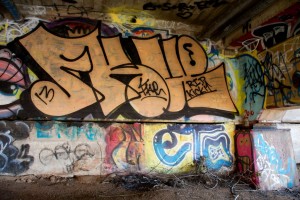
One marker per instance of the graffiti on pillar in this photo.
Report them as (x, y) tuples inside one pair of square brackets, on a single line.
[(274, 163), (13, 160), (245, 154), (210, 141), (252, 83), (124, 147), (105, 77)]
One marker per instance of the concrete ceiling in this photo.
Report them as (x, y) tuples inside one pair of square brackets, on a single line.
[(214, 19)]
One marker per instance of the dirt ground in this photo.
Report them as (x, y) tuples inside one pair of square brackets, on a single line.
[(126, 187)]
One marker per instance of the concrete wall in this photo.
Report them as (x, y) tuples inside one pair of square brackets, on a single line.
[(89, 148), (74, 90), (91, 98), (274, 158)]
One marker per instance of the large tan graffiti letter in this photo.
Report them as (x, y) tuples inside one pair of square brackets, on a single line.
[(139, 85), (65, 61), (182, 62), (149, 78)]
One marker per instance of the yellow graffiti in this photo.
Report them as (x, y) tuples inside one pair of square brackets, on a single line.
[(134, 17)]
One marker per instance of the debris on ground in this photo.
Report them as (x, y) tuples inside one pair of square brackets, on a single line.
[(133, 187), (138, 182)]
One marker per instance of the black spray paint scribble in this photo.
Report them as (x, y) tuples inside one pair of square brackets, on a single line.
[(185, 10), (278, 82), (13, 160), (64, 154), (72, 10)]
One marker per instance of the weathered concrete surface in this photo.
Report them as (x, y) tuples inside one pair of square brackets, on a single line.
[(285, 118), (280, 115), (295, 135), (86, 148), (274, 159)]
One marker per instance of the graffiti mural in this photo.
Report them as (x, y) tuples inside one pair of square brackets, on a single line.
[(176, 145), (243, 141), (245, 154), (124, 147), (94, 148), (109, 76), (215, 145), (9, 30), (270, 33), (14, 79), (252, 86), (281, 66), (274, 162), (12, 159)]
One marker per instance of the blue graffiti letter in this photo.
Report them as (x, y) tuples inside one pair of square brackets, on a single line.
[(160, 146)]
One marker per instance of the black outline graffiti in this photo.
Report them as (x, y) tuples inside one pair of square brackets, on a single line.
[(134, 70), (81, 10), (273, 84), (272, 34), (185, 10), (83, 75), (72, 10), (254, 79), (186, 46), (126, 79), (64, 152)]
